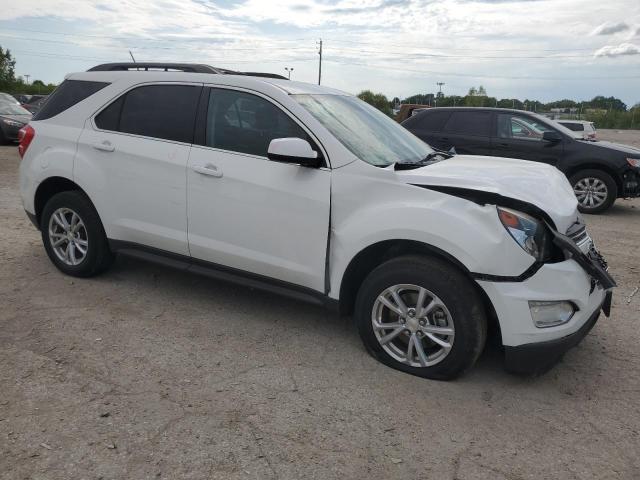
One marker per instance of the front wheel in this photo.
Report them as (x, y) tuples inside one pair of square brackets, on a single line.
[(595, 190), (421, 316)]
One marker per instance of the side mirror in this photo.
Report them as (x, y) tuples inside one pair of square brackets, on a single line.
[(551, 136), (293, 150)]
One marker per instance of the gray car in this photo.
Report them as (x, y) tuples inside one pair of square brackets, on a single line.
[(12, 118)]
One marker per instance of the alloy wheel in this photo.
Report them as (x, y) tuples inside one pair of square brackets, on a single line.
[(413, 325), (591, 192), (68, 236)]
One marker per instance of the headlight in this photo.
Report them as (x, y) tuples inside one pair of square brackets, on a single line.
[(634, 162), (13, 123), (531, 234)]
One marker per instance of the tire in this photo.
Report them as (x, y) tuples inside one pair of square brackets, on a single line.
[(3, 138), (463, 309), (602, 184), (89, 236)]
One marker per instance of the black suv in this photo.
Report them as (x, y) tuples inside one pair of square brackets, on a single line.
[(598, 171)]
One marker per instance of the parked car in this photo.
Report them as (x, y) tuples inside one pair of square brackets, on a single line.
[(407, 110), (598, 171), (22, 98), (587, 129), (308, 191), (12, 118), (36, 104), (6, 98)]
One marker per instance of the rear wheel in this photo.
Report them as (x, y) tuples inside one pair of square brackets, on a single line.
[(73, 235), (421, 316), (595, 190)]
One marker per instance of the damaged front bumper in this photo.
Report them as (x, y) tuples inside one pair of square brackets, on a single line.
[(581, 280)]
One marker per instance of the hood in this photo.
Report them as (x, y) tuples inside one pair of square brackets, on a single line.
[(535, 183), (628, 149), (17, 118)]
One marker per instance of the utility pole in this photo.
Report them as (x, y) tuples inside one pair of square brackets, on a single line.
[(440, 84), (289, 70), (320, 63), (27, 77)]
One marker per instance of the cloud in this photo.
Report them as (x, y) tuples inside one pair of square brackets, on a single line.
[(609, 28), (618, 50)]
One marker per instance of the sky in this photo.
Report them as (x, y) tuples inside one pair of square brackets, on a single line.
[(535, 49)]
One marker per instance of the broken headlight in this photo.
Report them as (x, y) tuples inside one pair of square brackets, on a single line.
[(531, 234)]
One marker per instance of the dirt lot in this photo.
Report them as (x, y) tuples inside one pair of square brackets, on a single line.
[(145, 372)]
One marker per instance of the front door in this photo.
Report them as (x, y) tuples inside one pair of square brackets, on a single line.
[(247, 212), (520, 136)]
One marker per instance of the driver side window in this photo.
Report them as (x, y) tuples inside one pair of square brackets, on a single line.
[(245, 123), (518, 127)]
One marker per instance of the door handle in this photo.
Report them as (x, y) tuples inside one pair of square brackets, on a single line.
[(208, 169), (105, 146)]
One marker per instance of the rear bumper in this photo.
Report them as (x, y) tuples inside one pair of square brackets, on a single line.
[(537, 358)]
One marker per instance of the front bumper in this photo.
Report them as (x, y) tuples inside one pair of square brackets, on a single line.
[(582, 279), (537, 358), (631, 183), (11, 132)]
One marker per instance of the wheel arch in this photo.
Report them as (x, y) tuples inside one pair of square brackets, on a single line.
[(50, 187), (365, 261)]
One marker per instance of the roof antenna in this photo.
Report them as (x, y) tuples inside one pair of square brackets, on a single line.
[(134, 60)]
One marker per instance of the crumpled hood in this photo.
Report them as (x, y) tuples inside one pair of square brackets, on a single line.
[(536, 183)]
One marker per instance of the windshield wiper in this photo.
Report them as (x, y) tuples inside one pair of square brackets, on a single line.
[(431, 158)]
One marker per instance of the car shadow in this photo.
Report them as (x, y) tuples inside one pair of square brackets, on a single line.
[(290, 314)]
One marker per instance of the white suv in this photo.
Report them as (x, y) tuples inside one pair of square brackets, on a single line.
[(306, 190)]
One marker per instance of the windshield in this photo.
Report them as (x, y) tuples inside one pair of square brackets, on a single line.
[(365, 131), (7, 108)]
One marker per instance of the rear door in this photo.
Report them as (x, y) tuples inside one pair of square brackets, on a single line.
[(132, 157), (520, 136), (469, 132), (245, 211)]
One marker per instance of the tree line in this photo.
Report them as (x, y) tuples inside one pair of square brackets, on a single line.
[(9, 83)]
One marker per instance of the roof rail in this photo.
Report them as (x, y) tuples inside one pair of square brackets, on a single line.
[(262, 74), (180, 67)]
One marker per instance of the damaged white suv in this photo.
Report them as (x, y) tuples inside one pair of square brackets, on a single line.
[(308, 191)]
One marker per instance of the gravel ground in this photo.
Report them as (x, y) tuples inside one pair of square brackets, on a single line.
[(146, 372)]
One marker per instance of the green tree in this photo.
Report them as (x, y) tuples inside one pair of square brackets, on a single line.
[(606, 103), (377, 100), (7, 70)]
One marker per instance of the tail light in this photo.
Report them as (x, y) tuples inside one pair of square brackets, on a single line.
[(25, 135)]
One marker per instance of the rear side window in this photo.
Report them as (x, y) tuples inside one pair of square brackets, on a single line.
[(66, 96), (576, 127), (469, 123), (159, 111), (428, 121)]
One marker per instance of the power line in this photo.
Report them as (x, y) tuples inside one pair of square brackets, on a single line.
[(474, 75), (406, 45)]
